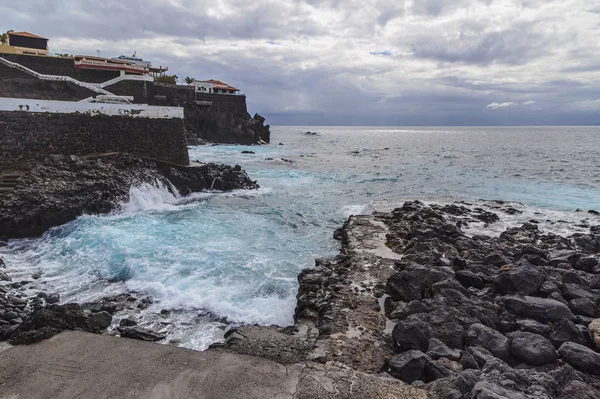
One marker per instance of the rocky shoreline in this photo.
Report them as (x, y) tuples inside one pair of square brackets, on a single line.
[(60, 188), (415, 297), (57, 191)]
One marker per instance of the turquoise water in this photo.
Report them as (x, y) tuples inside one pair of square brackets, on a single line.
[(218, 258)]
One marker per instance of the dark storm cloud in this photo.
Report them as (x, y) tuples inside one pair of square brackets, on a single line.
[(354, 61)]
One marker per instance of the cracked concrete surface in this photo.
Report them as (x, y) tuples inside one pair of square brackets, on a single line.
[(81, 365)]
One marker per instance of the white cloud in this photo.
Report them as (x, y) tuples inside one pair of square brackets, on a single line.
[(496, 105), (530, 102)]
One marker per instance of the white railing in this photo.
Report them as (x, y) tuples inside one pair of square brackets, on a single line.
[(90, 108), (126, 77), (90, 86)]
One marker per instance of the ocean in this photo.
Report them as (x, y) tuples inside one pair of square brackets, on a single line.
[(214, 258)]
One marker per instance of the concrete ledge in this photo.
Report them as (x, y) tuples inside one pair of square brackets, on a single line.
[(80, 365), (69, 107)]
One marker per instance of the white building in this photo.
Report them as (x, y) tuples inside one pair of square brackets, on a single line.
[(214, 87)]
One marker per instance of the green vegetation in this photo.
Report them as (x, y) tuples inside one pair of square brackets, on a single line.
[(171, 79), (189, 80), (64, 55), (4, 38)]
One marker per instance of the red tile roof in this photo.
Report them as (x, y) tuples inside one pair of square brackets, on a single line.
[(220, 85), (26, 34)]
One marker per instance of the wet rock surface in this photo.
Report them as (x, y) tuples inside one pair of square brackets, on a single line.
[(28, 315), (61, 188), (414, 297), (462, 315)]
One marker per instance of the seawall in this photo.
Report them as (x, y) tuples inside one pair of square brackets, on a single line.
[(32, 136)]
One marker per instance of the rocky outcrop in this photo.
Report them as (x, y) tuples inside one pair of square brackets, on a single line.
[(204, 124), (60, 188), (463, 316), (218, 118)]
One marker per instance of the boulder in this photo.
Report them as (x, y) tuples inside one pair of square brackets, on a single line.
[(140, 334), (576, 291), (540, 309), (438, 349), (531, 348), (492, 340), (582, 358), (441, 324), (585, 307), (564, 331), (410, 284), (127, 322), (53, 298), (481, 355), (409, 366), (101, 319), (534, 327), (548, 287), (526, 277), (408, 336), (469, 279), (586, 264), (467, 361), (572, 277)]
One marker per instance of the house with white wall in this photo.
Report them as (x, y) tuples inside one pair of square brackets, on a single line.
[(214, 87)]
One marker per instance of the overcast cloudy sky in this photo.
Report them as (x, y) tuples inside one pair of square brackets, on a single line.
[(355, 62)]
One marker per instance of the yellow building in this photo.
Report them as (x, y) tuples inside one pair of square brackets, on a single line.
[(25, 43)]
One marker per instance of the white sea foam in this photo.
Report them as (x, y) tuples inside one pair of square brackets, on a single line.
[(150, 197), (350, 210)]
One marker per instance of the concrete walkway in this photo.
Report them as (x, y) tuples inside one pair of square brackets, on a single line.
[(81, 365)]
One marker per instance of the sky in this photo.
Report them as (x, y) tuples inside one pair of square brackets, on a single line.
[(354, 62)]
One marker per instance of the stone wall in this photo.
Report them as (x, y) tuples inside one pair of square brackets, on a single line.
[(26, 137), (61, 66)]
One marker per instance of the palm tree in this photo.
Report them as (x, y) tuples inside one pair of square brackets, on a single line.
[(189, 80)]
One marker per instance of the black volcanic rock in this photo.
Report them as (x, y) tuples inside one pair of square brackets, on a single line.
[(581, 357), (408, 336), (409, 366), (61, 188), (490, 339), (532, 348), (139, 333), (540, 309)]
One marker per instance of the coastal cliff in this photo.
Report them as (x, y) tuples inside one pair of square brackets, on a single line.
[(218, 118)]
